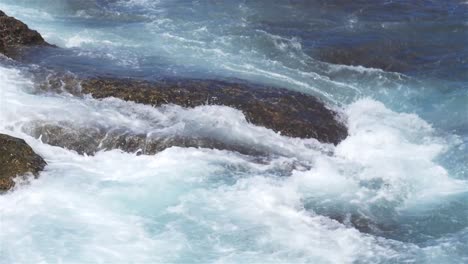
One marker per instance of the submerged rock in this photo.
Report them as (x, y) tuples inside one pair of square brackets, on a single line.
[(89, 140), (15, 35), (17, 159), (290, 113)]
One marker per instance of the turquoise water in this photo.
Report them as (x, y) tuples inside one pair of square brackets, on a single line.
[(394, 191)]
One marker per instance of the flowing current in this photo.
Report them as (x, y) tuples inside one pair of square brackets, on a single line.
[(394, 191)]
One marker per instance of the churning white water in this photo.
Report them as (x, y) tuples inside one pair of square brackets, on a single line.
[(394, 191), (187, 204)]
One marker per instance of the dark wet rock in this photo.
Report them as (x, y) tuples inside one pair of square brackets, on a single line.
[(2, 47), (89, 140), (17, 159), (290, 113), (15, 35)]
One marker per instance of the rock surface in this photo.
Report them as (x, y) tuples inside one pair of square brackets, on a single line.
[(89, 140), (290, 113), (15, 35), (17, 159)]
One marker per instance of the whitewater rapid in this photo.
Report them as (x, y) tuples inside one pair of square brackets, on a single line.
[(394, 191), (209, 205)]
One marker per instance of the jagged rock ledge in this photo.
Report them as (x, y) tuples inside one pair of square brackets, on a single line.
[(17, 159), (290, 113), (15, 36)]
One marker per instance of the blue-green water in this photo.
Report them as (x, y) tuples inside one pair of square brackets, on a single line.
[(397, 185)]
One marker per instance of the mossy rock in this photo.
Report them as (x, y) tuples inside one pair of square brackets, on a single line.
[(16, 35), (290, 113), (16, 159)]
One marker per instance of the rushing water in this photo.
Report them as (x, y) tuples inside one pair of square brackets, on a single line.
[(396, 190)]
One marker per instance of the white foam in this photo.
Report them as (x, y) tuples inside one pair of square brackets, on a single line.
[(209, 205), (388, 160), (187, 205)]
